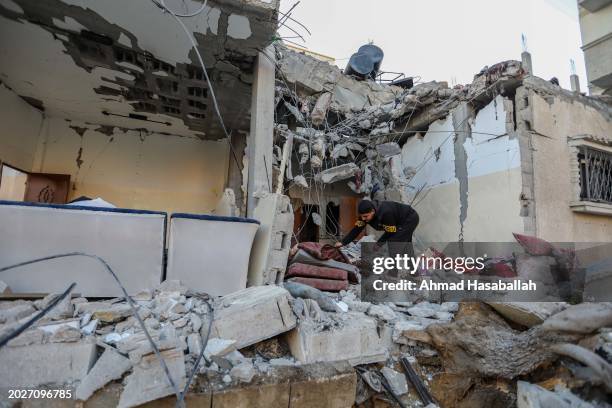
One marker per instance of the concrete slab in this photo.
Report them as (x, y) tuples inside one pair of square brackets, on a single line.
[(148, 381), (110, 366), (253, 314), (355, 339), (39, 364)]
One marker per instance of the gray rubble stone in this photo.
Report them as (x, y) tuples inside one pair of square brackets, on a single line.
[(342, 172), (12, 311), (219, 347), (227, 379), (424, 309), (66, 334), (194, 343), (388, 149), (383, 312), (170, 285), (110, 366), (528, 314), (51, 363), (534, 396), (148, 381), (90, 328), (244, 372), (396, 380), (31, 336), (62, 310)]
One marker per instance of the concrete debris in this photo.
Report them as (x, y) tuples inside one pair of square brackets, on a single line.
[(41, 364), (320, 109), (243, 372), (219, 347), (388, 149), (338, 173), (12, 311), (300, 181), (396, 380), (252, 315), (63, 310), (534, 396), (601, 368), (581, 318), (299, 290), (353, 337), (110, 366), (65, 334), (382, 312), (527, 314), (148, 381)]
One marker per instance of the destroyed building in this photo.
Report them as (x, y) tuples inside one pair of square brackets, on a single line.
[(508, 153), (192, 274)]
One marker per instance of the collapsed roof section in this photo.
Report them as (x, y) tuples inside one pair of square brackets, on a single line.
[(336, 119), (132, 65)]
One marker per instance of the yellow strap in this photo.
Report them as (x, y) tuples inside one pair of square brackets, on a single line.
[(390, 228)]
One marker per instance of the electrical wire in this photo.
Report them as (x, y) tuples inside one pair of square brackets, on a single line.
[(163, 3)]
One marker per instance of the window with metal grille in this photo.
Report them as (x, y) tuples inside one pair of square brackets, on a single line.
[(595, 175)]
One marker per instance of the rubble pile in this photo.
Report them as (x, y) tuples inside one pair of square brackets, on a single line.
[(462, 354), (344, 129)]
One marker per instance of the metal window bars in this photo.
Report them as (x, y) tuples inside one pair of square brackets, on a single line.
[(595, 175)]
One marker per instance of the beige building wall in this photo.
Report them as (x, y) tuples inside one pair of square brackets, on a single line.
[(551, 119), (135, 169), (20, 125), (596, 30)]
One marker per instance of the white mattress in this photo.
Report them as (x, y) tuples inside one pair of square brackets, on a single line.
[(210, 254), (131, 242)]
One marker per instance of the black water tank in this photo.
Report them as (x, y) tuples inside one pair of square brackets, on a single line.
[(365, 62), (360, 65), (376, 54)]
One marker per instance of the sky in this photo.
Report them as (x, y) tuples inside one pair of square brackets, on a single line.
[(444, 40)]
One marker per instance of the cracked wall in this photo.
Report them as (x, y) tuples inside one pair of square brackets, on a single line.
[(104, 61), (465, 174)]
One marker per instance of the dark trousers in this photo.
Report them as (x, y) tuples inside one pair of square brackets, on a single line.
[(400, 243)]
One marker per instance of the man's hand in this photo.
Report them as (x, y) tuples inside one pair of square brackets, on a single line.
[(338, 245)]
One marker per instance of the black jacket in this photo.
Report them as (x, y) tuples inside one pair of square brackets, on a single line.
[(389, 217)]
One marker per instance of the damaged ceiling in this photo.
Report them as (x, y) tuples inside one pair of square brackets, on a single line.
[(131, 65)]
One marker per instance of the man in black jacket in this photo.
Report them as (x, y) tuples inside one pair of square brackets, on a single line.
[(397, 220)]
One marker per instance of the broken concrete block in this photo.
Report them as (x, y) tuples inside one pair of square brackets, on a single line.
[(388, 149), (406, 331), (396, 380), (148, 381), (52, 363), (582, 318), (253, 314), (382, 312), (354, 337), (527, 314), (90, 328), (62, 310), (110, 366), (534, 396), (172, 285), (424, 309), (244, 372), (66, 334), (194, 343), (31, 336), (12, 311), (300, 181), (319, 112), (272, 241), (342, 172), (219, 347), (105, 312)]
